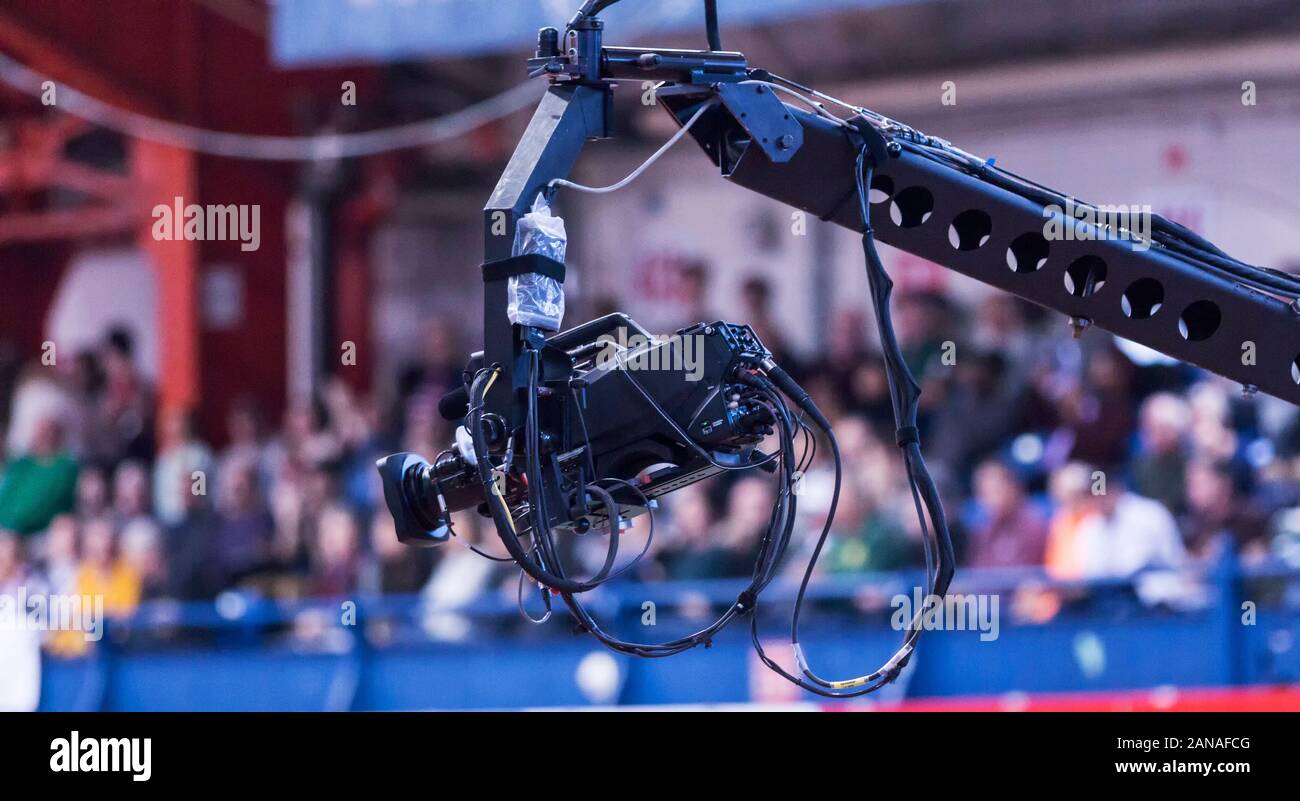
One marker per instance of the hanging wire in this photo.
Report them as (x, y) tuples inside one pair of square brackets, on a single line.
[(323, 147)]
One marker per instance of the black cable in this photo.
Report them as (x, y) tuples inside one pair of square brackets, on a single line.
[(711, 24), (767, 559), (905, 395), (496, 504), (685, 437), (650, 535), (546, 568)]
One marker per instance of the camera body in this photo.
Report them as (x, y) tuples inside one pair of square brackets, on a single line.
[(635, 414)]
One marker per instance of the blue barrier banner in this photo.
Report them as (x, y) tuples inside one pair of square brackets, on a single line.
[(313, 32), (1067, 644)]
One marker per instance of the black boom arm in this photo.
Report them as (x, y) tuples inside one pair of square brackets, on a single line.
[(933, 201)]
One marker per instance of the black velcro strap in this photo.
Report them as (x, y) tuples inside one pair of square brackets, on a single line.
[(877, 147), (500, 269), (907, 435)]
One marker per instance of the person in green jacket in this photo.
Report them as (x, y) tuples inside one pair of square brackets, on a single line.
[(40, 484)]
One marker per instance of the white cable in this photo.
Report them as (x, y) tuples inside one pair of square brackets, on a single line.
[(819, 108), (271, 148), (600, 190)]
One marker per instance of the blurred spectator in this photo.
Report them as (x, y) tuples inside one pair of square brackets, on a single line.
[(40, 484), (844, 350), (1071, 490), (244, 530), (92, 491), (122, 425), (691, 549), (180, 456), (336, 555), (868, 393), (749, 510), (864, 537), (693, 289), (1127, 533), (397, 569), (354, 423), (103, 571), (1161, 462), (143, 552), (87, 388), (301, 497), (922, 321), (438, 372), (60, 557), (756, 301), (20, 645), (304, 442), (1210, 434), (979, 388), (131, 492), (189, 544), (244, 445), (1012, 532), (1086, 397), (39, 397), (104, 578), (1216, 509), (1000, 327), (1102, 424), (866, 533)]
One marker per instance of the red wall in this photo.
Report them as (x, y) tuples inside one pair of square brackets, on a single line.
[(175, 59)]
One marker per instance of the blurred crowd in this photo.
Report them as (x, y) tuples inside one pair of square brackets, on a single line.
[(1084, 458)]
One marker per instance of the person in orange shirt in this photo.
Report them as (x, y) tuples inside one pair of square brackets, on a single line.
[(1071, 489)]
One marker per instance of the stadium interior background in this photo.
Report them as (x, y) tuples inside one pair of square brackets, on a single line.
[(282, 372)]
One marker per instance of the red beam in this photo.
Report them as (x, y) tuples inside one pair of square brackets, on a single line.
[(66, 224), (170, 172)]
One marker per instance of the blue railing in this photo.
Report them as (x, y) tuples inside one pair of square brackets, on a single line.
[(1230, 624)]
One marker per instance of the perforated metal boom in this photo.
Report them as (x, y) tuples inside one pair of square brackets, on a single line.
[(943, 214)]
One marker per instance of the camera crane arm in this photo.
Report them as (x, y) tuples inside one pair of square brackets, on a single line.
[(1170, 290), (554, 441)]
